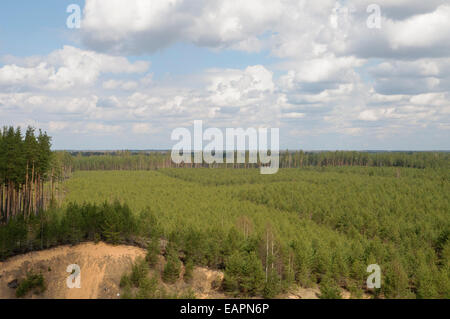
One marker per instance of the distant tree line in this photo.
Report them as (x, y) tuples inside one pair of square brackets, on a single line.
[(375, 159), (126, 160)]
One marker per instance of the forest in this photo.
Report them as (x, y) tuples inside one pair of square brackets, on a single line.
[(24, 164), (141, 160), (319, 222)]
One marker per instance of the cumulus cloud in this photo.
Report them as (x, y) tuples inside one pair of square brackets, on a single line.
[(292, 115), (400, 9), (237, 88), (424, 34), (422, 31), (287, 28), (143, 128), (123, 85), (39, 103), (412, 77), (141, 26), (375, 115), (316, 75), (67, 68)]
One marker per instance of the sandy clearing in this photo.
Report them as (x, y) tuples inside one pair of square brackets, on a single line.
[(101, 266)]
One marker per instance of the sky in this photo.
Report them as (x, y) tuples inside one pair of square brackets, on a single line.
[(331, 75)]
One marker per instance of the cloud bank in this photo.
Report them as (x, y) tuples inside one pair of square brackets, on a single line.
[(336, 81)]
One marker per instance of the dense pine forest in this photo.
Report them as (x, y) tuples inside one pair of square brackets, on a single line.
[(24, 165), (320, 221), (29, 172)]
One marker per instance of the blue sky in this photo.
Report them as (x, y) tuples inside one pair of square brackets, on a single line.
[(33, 27), (137, 69)]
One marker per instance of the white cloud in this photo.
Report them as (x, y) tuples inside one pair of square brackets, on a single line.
[(424, 33), (319, 74), (421, 31), (412, 77), (293, 115), (49, 106), (288, 28), (400, 9), (139, 26), (143, 128), (431, 99), (123, 85), (67, 68), (56, 126), (238, 88), (375, 114), (100, 128)]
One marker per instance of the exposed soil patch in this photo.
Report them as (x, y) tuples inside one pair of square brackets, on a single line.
[(101, 267)]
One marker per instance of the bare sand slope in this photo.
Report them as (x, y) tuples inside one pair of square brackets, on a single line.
[(101, 268)]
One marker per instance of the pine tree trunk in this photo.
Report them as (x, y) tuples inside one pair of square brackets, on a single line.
[(32, 191), (35, 196), (8, 200), (1, 204)]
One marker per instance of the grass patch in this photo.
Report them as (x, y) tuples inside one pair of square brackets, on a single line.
[(33, 282)]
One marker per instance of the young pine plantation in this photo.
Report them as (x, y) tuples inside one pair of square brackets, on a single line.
[(319, 222)]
